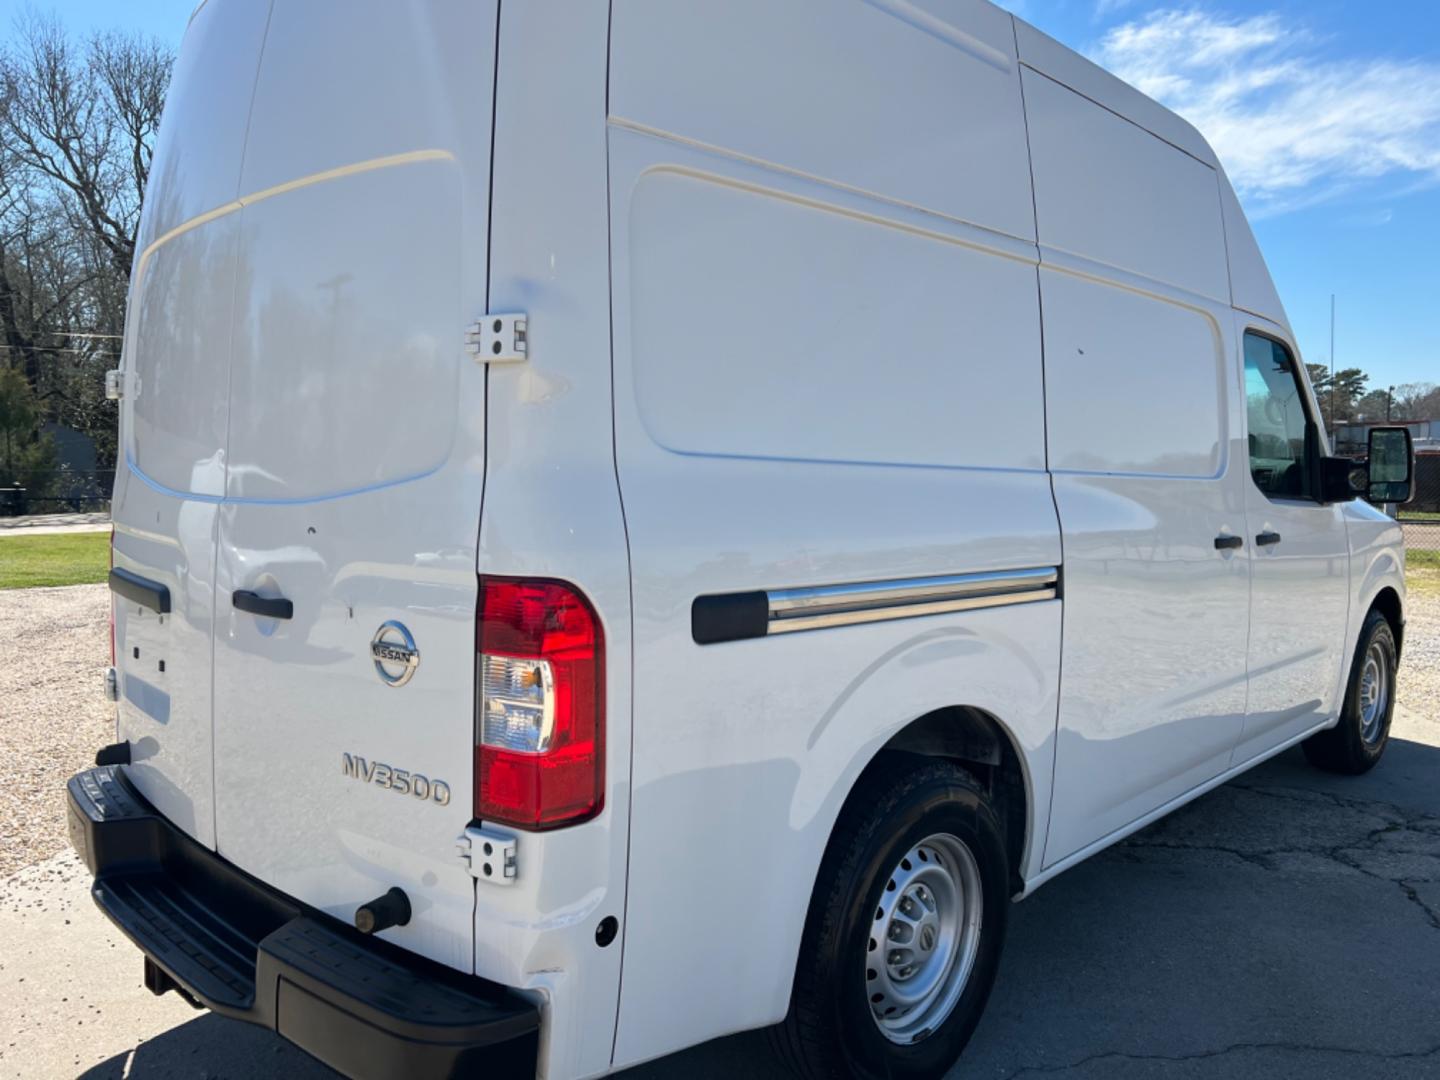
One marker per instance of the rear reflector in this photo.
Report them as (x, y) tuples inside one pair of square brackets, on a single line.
[(540, 735)]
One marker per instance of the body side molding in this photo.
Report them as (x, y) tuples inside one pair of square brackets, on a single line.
[(743, 615)]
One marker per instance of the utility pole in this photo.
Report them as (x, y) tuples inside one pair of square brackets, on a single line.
[(1332, 361), (1389, 400)]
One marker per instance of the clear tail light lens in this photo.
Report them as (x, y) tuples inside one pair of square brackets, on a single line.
[(540, 735)]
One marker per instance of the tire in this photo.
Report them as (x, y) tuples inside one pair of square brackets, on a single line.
[(924, 821), (1354, 745)]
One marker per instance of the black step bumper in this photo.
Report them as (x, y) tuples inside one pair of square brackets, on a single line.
[(238, 947)]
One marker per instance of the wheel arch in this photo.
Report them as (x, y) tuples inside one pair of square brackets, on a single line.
[(980, 741), (1387, 601)]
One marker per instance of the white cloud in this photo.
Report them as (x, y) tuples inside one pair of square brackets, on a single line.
[(1292, 126)]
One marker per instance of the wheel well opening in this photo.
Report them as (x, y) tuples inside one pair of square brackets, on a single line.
[(975, 739), (1387, 602)]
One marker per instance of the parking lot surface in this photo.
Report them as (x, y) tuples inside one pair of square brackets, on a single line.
[(1285, 925)]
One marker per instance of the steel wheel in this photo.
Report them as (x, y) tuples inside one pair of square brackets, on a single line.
[(925, 937), (1374, 692)]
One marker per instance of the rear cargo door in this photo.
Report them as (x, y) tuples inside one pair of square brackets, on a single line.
[(174, 413), (355, 462)]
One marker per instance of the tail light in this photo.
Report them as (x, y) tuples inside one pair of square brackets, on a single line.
[(540, 735)]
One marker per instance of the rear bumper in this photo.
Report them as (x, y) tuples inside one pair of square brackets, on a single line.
[(365, 1008)]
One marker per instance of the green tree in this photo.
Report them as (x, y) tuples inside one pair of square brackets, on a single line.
[(1340, 394), (1373, 406), (26, 457)]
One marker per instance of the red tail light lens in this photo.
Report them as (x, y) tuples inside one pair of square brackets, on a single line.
[(540, 733)]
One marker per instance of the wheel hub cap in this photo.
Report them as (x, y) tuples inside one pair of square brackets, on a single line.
[(1374, 692), (926, 934)]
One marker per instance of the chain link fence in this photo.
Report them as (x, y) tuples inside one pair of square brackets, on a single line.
[(1421, 515)]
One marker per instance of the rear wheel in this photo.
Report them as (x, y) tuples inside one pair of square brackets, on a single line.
[(904, 931), (1355, 744)]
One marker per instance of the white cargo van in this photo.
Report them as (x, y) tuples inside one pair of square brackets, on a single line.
[(644, 520)]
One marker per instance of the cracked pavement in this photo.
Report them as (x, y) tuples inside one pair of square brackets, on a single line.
[(1284, 925)]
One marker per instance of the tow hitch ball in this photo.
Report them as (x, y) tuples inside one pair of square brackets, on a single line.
[(392, 909)]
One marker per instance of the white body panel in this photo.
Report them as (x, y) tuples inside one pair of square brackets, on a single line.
[(911, 292), (828, 427), (1153, 691), (924, 92)]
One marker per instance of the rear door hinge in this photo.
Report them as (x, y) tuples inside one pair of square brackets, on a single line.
[(115, 381), (499, 339), (489, 853)]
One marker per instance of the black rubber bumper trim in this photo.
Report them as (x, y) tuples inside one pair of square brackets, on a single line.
[(242, 949), (142, 590)]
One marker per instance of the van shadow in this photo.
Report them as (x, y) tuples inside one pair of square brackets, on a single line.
[(212, 1046), (1236, 936)]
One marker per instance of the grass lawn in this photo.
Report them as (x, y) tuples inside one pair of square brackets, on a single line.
[(61, 559), (1422, 572), (1419, 557)]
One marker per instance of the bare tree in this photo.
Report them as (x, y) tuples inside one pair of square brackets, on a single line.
[(83, 122), (78, 123), (1417, 401)]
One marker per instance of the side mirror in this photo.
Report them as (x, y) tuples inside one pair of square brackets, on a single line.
[(1391, 469)]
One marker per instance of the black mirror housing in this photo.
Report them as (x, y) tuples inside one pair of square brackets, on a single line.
[(1338, 480), (1391, 465)]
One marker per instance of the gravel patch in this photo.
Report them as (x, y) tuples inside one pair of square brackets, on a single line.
[(54, 648), (1418, 685)]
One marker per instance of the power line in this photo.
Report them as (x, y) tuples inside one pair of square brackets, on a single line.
[(46, 349)]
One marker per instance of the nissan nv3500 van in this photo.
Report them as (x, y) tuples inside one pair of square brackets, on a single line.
[(729, 494)]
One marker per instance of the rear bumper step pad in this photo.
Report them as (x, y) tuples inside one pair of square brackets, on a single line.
[(242, 949)]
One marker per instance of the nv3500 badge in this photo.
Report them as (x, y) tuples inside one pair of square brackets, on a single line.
[(401, 781)]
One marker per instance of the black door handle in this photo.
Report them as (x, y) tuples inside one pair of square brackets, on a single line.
[(1266, 539), (142, 590), (1222, 543), (278, 608)]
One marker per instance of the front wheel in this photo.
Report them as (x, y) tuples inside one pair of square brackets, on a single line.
[(903, 937), (1355, 744)]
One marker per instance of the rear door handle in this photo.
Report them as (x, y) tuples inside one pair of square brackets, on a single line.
[(264, 606), (1267, 539), (1223, 543)]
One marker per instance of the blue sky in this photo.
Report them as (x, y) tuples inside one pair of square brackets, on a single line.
[(1326, 114)]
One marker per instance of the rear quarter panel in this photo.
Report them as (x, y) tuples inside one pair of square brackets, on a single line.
[(827, 371), (551, 504)]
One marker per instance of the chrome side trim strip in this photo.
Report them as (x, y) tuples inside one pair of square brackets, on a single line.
[(845, 605), (742, 616)]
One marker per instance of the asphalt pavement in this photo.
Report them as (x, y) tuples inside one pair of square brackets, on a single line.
[(1285, 925)]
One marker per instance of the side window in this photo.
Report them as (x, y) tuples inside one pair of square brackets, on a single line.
[(1275, 403)]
